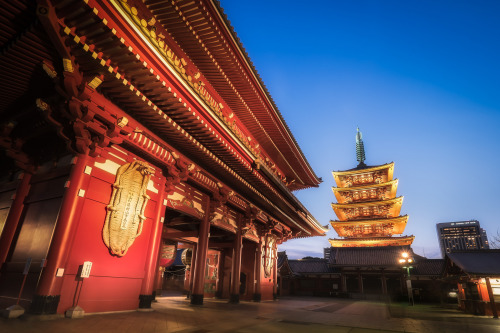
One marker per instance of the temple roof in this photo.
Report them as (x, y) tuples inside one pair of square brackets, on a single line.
[(399, 219), (398, 200), (303, 266), (393, 185), (363, 256), (372, 241), (477, 262), (393, 182), (429, 267), (212, 45), (343, 210), (398, 222), (364, 169)]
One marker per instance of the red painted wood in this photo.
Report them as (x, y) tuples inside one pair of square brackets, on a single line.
[(115, 283), (201, 253), (235, 281), (14, 216), (68, 216), (154, 242)]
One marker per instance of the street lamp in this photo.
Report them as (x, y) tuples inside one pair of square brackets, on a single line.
[(406, 261)]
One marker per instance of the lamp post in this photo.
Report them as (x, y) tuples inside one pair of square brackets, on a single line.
[(406, 262)]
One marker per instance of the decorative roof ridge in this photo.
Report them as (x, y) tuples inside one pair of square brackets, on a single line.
[(354, 239), (365, 169), (369, 203), (400, 217), (244, 53), (363, 186)]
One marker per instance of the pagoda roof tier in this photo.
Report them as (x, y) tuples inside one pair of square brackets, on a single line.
[(372, 242), (369, 228), (368, 210), (374, 192), (364, 175)]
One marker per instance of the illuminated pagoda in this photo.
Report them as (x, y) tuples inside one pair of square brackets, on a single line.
[(368, 209)]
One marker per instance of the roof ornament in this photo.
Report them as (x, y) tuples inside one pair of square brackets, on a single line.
[(360, 149)]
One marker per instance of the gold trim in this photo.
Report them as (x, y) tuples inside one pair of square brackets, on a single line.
[(372, 242), (398, 200), (366, 170), (365, 187), (396, 220)]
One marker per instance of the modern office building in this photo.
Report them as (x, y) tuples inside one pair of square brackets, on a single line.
[(461, 235)]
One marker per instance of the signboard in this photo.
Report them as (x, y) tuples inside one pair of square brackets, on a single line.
[(86, 267)]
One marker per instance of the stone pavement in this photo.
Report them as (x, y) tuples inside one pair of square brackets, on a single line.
[(289, 314)]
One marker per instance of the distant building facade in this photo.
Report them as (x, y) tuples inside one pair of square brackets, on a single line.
[(460, 236)]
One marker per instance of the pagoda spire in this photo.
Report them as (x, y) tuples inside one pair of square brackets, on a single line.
[(360, 149)]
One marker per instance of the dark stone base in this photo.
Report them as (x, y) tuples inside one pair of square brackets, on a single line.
[(145, 301), (196, 299), (234, 299), (257, 297), (188, 295), (218, 294), (42, 304)]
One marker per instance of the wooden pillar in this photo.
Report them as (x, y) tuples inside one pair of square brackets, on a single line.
[(146, 296), (47, 294), (236, 266), (14, 216), (220, 274), (360, 283), (257, 296), (492, 298), (343, 282), (384, 283), (201, 257)]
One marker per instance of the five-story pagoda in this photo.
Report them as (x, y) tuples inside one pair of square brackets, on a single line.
[(368, 209)]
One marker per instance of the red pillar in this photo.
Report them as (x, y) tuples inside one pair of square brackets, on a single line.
[(201, 257), (257, 296), (236, 267), (146, 296), (47, 295), (275, 274), (12, 220)]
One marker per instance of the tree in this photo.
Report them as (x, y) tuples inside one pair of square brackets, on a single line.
[(495, 241)]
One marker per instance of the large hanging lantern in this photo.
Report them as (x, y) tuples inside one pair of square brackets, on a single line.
[(187, 256), (168, 252)]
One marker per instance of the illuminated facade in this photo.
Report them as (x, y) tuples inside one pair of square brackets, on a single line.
[(367, 206), (461, 236), (129, 129)]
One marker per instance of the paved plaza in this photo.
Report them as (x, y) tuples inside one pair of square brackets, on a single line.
[(297, 314)]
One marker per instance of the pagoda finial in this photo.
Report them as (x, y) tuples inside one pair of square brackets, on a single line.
[(360, 149)]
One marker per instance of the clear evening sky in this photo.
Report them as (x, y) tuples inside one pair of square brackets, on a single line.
[(420, 78)]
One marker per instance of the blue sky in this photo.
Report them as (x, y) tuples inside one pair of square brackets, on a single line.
[(420, 78)]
